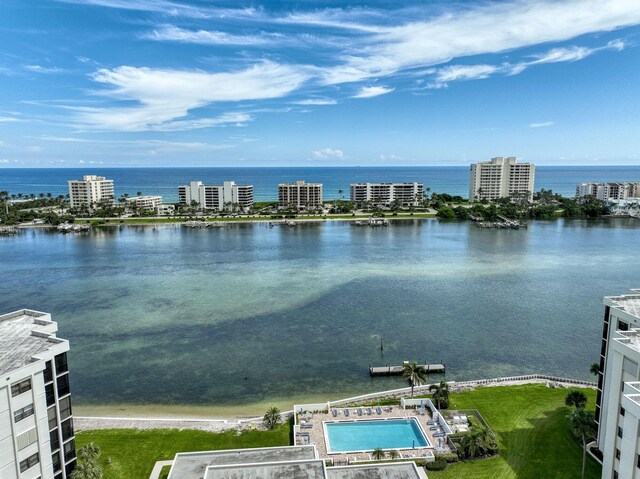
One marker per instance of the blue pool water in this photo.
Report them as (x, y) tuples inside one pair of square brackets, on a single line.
[(369, 435)]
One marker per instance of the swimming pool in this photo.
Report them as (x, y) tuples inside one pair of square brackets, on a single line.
[(356, 436)]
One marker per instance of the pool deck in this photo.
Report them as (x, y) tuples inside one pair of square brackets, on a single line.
[(313, 425)]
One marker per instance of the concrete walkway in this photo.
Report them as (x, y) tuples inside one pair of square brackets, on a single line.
[(86, 423), (157, 468)]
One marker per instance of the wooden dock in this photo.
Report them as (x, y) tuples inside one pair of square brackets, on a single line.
[(397, 370)]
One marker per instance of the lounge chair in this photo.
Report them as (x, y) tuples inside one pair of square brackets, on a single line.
[(369, 411), (434, 428), (307, 425), (439, 434), (431, 423), (334, 412), (359, 411), (378, 410), (346, 413)]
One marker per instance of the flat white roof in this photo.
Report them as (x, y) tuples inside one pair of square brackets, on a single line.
[(24, 334)]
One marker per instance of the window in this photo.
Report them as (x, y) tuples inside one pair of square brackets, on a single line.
[(67, 429), (622, 411), (21, 387), (617, 453), (29, 462), (53, 419), (620, 432), (637, 460), (65, 408), (622, 326), (48, 372), (63, 385), (69, 450), (22, 413), (70, 468), (54, 439), (51, 397), (61, 363), (55, 460)]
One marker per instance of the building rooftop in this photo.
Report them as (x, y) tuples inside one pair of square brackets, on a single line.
[(629, 303), (24, 334), (404, 470), (280, 470), (193, 465)]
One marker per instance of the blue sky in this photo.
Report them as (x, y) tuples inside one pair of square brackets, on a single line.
[(313, 83)]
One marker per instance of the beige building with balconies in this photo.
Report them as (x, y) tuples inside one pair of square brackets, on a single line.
[(299, 195), (501, 178), (90, 191)]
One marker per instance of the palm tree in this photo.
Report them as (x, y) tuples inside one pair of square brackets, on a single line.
[(377, 454), (393, 454), (583, 426), (87, 467), (272, 417), (576, 398), (87, 470), (474, 443), (440, 393), (414, 373), (594, 369), (90, 452)]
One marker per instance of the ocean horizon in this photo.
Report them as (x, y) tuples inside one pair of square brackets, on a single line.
[(164, 181)]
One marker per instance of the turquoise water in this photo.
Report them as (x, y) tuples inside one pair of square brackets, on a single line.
[(172, 315), (164, 181), (370, 435)]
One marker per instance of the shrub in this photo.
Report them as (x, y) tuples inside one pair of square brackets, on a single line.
[(437, 465), (447, 456)]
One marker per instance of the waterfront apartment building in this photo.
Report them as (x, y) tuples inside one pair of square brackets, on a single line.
[(501, 178), (90, 191), (406, 194), (145, 202), (227, 196), (299, 195), (36, 422), (618, 395), (609, 191)]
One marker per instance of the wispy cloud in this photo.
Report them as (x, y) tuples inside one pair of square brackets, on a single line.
[(328, 154), (165, 97), (542, 125), (371, 91), (41, 69), (315, 102), (208, 37), (8, 119)]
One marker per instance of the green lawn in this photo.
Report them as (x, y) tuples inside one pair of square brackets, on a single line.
[(131, 454), (533, 434), (529, 421)]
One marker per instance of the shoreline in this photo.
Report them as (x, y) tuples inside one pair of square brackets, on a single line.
[(155, 221), (218, 418)]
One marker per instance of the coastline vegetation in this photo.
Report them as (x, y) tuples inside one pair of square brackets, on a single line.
[(55, 210), (531, 425)]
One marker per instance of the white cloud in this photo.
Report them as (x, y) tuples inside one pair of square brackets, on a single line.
[(4, 161), (541, 125), (41, 69), (8, 119), (371, 91), (165, 97), (316, 101), (465, 72), (488, 28), (328, 154), (208, 37)]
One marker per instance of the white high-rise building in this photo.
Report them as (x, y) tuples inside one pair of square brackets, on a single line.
[(618, 397), (90, 190), (609, 191), (36, 424), (407, 194), (501, 178), (299, 195), (220, 197)]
